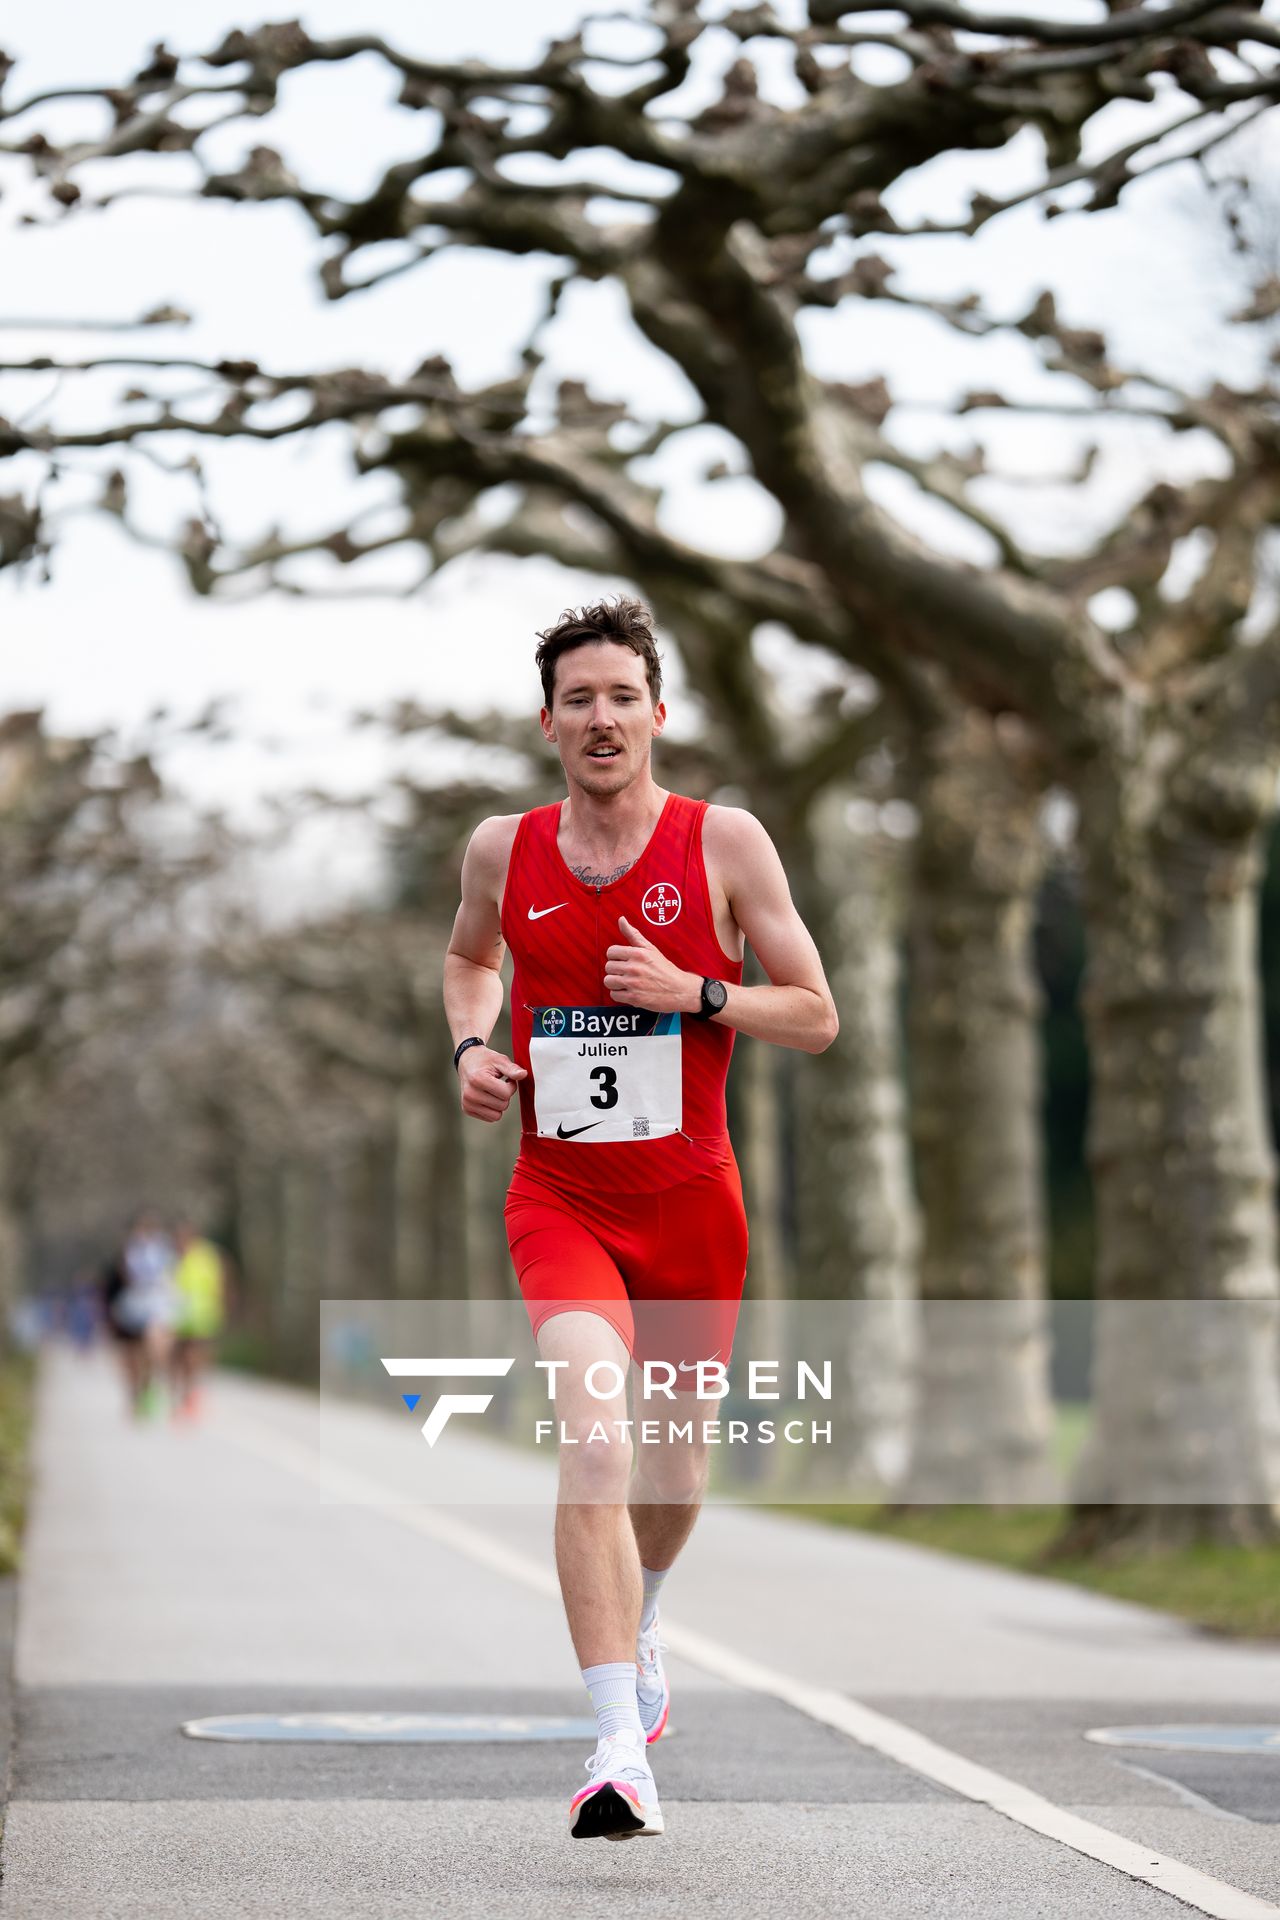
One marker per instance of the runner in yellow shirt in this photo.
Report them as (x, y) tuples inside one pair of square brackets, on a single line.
[(200, 1283)]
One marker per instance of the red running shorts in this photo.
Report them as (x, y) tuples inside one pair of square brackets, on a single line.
[(665, 1269)]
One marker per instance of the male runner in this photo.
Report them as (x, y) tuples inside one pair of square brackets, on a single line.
[(625, 908)]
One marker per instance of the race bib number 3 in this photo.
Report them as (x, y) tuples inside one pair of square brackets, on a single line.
[(605, 1073)]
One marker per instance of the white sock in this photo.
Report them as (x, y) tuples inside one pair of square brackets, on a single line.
[(613, 1695), (652, 1582)]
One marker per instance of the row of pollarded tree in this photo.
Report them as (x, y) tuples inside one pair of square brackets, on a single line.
[(91, 865), (294, 1087), (724, 230)]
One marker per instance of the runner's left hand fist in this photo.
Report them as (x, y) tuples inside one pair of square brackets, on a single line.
[(637, 975)]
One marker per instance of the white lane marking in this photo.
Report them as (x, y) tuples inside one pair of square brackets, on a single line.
[(863, 1724)]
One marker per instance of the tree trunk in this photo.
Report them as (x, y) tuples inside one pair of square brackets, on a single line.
[(985, 1423), (302, 1240), (432, 1228), (257, 1236), (856, 1227), (488, 1153), (1186, 1435), (358, 1254), (12, 1253), (412, 1203)]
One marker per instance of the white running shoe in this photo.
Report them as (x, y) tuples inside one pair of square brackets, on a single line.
[(653, 1695), (621, 1802)]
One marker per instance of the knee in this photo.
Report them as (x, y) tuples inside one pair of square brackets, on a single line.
[(595, 1460), (674, 1477)]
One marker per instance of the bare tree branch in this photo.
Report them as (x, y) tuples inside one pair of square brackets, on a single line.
[(715, 273), (1132, 24)]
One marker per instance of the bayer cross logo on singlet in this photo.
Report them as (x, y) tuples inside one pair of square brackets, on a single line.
[(605, 1073), (661, 904)]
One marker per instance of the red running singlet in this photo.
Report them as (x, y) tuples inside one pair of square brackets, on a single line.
[(617, 1099)]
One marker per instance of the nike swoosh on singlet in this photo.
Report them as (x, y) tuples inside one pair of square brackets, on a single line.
[(540, 913), (563, 1134)]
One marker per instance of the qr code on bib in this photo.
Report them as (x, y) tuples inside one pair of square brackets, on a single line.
[(640, 1128)]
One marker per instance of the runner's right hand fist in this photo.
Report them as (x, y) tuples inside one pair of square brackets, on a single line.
[(487, 1080)]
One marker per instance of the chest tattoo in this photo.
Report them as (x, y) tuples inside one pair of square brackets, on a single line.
[(591, 879)]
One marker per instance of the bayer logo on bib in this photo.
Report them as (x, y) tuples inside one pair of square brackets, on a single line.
[(551, 1022), (661, 904)]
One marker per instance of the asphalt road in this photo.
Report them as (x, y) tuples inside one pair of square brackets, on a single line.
[(859, 1727)]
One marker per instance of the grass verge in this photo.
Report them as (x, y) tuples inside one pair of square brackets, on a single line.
[(17, 1376), (1228, 1590)]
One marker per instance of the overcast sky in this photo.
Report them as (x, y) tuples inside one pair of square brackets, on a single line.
[(116, 634)]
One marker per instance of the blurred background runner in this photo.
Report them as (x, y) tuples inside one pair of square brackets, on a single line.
[(127, 1338), (200, 1288), (143, 1310)]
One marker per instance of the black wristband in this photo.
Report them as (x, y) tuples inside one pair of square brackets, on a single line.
[(714, 999), (472, 1040)]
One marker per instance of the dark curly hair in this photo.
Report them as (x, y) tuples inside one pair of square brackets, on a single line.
[(627, 622)]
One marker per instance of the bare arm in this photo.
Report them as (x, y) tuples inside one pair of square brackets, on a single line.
[(796, 1008), (473, 989)]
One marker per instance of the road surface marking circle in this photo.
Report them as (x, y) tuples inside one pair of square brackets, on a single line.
[(1192, 1739), (388, 1729)]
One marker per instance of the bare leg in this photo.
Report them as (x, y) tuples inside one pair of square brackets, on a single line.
[(670, 1479), (596, 1556), (131, 1362), (199, 1354), (186, 1367), (155, 1345)]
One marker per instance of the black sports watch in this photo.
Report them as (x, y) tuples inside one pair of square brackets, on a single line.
[(714, 996)]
